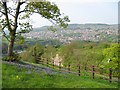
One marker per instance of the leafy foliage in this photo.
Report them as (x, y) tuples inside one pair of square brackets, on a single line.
[(32, 52), (44, 8), (49, 52), (111, 55), (49, 11), (13, 16), (85, 53), (15, 57)]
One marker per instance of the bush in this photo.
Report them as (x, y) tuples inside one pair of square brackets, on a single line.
[(32, 52), (15, 57)]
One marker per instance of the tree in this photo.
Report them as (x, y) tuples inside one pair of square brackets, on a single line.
[(111, 56), (16, 18), (37, 52), (32, 53), (49, 52)]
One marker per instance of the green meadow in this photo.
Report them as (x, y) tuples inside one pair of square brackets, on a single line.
[(14, 77)]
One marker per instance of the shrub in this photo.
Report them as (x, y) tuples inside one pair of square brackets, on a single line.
[(15, 57), (32, 52)]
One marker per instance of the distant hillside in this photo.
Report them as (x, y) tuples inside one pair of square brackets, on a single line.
[(84, 32), (78, 26)]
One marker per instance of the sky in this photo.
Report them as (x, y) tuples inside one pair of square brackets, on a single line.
[(83, 11)]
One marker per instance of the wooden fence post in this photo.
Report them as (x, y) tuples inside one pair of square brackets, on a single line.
[(53, 64), (79, 69), (37, 59), (47, 62), (59, 66), (101, 70), (110, 75), (85, 68), (42, 61), (93, 72), (69, 68)]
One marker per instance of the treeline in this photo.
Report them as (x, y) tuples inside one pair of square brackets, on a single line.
[(28, 43), (86, 53), (101, 54)]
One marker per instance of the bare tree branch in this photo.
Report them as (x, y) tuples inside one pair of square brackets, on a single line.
[(4, 27), (22, 3), (2, 12), (52, 22), (6, 15), (17, 13), (4, 34), (12, 15), (23, 11)]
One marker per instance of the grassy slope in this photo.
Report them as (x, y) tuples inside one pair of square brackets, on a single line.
[(21, 78)]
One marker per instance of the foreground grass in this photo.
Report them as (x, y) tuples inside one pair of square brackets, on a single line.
[(14, 77)]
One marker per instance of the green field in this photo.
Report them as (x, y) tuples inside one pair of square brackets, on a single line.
[(16, 77)]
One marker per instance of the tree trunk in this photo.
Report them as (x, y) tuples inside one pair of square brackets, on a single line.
[(11, 45)]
